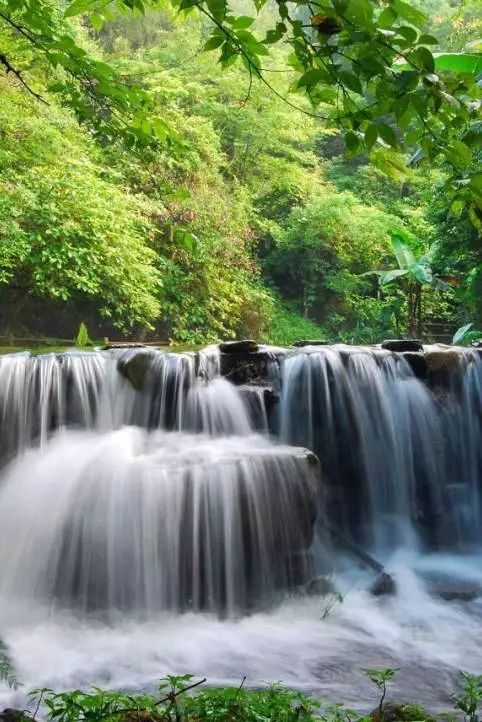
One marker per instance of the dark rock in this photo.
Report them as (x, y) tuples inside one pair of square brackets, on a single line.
[(452, 589), (246, 368), (320, 586), (13, 715), (383, 584), (300, 344), (123, 344), (135, 367), (245, 346), (416, 361), (408, 344)]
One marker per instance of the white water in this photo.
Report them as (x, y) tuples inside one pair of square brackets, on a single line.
[(102, 492), (430, 640)]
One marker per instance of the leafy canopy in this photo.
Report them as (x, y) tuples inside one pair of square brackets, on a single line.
[(367, 67)]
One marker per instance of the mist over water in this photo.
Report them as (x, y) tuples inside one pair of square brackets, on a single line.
[(155, 518)]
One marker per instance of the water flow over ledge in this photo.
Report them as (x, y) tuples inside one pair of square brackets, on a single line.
[(134, 485)]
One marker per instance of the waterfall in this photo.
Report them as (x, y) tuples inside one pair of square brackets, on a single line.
[(399, 457), (143, 493)]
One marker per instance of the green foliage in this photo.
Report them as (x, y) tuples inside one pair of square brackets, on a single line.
[(224, 211), (82, 339), (8, 674), (381, 678), (286, 326), (470, 696)]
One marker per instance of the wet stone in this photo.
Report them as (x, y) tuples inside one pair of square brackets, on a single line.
[(245, 346), (300, 344), (408, 344), (383, 584)]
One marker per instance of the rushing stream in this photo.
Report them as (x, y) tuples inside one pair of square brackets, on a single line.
[(158, 515)]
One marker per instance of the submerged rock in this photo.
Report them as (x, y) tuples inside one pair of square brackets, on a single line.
[(452, 589), (402, 344), (442, 361), (383, 584), (320, 586), (245, 346)]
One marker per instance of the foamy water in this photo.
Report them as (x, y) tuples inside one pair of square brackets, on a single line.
[(430, 640)]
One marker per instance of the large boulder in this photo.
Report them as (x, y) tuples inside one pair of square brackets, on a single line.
[(135, 367)]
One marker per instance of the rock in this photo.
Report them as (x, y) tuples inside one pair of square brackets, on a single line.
[(417, 363), (13, 715), (383, 584), (408, 344), (245, 346), (123, 344), (442, 361), (452, 589), (300, 344), (135, 367), (401, 712), (320, 586)]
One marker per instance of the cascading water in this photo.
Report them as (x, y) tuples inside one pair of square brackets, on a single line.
[(154, 507)]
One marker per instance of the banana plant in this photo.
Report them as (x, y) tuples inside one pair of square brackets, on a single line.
[(414, 273)]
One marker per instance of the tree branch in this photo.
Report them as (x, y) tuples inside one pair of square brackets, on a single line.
[(9, 68)]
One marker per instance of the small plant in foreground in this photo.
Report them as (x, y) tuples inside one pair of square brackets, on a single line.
[(381, 678), (470, 696)]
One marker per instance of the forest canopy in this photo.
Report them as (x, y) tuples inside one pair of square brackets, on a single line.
[(200, 169)]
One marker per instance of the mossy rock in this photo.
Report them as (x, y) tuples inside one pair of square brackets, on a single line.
[(442, 361), (399, 712)]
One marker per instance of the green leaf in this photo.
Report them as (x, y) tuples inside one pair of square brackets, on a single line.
[(243, 22), (425, 58), (408, 12), (312, 77), (97, 21), (460, 333), (403, 253), (389, 276), (459, 62), (79, 6), (352, 141), (387, 134), (351, 81), (407, 32), (428, 40), (217, 8), (371, 135), (214, 42)]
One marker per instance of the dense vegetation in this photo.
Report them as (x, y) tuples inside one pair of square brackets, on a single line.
[(180, 699), (192, 202)]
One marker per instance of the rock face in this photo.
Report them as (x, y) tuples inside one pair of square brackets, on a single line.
[(409, 344), (416, 361)]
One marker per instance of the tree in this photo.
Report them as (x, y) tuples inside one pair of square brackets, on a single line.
[(414, 272), (363, 66)]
